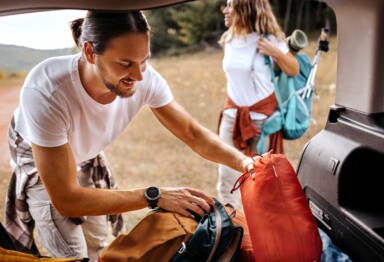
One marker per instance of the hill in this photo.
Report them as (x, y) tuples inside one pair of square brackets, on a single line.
[(17, 58)]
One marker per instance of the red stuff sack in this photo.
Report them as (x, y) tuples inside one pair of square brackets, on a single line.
[(280, 222)]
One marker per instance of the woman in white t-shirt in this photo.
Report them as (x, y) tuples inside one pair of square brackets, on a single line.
[(252, 34)]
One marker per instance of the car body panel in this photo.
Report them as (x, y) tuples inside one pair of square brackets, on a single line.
[(360, 54), (342, 168), (26, 6)]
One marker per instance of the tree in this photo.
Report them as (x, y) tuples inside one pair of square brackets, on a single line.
[(198, 24), (164, 30)]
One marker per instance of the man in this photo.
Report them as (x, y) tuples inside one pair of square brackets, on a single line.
[(71, 108)]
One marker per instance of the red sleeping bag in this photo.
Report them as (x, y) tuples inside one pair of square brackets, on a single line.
[(281, 225)]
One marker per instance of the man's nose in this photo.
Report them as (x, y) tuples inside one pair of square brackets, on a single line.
[(136, 73)]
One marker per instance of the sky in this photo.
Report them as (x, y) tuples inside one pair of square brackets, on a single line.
[(42, 30)]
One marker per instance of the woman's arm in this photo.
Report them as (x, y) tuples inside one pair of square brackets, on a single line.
[(286, 62)]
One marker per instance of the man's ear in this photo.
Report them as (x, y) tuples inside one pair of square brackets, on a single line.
[(89, 53)]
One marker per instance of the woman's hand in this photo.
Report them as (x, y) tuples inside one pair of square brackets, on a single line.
[(266, 47), (286, 62)]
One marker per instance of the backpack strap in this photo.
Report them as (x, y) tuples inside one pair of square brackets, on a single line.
[(268, 62), (278, 114), (219, 228)]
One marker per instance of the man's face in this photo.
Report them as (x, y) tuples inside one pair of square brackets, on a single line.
[(123, 63)]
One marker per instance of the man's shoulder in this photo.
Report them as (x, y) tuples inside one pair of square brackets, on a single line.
[(52, 67), (50, 74), (56, 60)]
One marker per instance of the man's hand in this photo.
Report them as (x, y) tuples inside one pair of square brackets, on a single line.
[(181, 200), (248, 166)]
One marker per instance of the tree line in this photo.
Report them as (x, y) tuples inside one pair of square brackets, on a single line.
[(199, 24)]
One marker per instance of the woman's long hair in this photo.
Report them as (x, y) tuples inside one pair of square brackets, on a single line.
[(252, 16)]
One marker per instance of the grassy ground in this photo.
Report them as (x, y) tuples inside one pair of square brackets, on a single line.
[(147, 154)]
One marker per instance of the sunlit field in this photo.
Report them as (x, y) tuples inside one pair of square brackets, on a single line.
[(147, 154)]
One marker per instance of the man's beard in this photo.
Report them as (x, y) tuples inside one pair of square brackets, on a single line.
[(112, 87)]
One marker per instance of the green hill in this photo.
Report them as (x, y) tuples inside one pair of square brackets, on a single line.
[(17, 58)]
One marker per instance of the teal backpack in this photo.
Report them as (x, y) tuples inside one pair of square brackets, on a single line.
[(294, 97)]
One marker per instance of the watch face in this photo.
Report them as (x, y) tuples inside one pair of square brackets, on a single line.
[(153, 192)]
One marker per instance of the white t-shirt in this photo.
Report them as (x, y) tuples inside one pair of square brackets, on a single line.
[(55, 108), (238, 55)]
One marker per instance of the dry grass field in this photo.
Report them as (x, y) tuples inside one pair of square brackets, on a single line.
[(146, 153)]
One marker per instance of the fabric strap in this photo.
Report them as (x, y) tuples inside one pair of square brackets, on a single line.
[(18, 221), (268, 62)]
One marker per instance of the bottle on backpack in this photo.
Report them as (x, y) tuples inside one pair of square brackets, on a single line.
[(297, 41)]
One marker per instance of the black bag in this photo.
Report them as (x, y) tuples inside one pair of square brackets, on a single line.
[(216, 238), (164, 236)]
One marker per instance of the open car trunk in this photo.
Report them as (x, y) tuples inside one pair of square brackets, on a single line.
[(342, 168), (26, 6)]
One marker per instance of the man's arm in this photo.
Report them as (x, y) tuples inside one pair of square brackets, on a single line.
[(203, 141), (57, 169)]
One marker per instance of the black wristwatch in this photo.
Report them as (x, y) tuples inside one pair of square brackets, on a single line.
[(152, 194)]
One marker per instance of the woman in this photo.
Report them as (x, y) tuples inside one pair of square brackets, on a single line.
[(253, 33)]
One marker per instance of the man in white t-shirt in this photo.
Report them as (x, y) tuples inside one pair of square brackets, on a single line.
[(70, 109)]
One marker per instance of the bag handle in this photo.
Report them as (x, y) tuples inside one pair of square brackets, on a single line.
[(219, 227), (231, 210)]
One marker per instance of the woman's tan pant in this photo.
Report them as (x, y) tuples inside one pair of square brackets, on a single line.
[(228, 176)]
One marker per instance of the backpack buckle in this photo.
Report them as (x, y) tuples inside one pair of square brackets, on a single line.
[(182, 249)]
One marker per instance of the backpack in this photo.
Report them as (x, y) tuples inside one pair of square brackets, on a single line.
[(168, 236), (294, 97), (280, 222)]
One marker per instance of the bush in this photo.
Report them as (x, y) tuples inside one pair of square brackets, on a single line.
[(3, 75)]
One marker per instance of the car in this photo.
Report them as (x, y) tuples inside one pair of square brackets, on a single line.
[(341, 169)]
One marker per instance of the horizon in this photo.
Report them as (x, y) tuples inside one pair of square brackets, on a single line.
[(38, 49), (46, 30)]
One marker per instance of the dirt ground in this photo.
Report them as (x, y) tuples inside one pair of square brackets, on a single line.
[(9, 98)]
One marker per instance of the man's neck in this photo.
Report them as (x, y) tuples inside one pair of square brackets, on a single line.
[(92, 84)]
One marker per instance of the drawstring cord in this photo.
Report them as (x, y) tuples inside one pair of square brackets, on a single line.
[(244, 176), (240, 181)]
